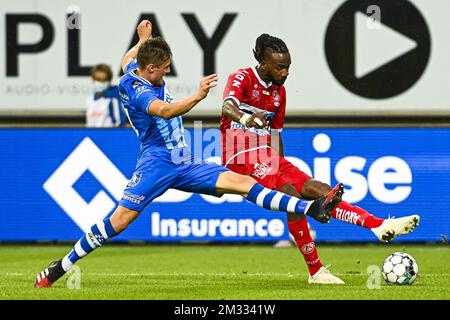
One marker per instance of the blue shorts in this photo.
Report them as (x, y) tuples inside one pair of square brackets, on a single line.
[(154, 175)]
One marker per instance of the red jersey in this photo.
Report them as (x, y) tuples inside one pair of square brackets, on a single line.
[(252, 95)]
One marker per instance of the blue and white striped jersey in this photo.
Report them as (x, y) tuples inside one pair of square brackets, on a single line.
[(136, 94)]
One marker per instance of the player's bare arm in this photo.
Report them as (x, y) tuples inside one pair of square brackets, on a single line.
[(167, 111), (231, 110), (144, 30)]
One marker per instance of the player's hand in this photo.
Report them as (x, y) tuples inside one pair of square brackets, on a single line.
[(144, 30), (207, 83), (257, 120)]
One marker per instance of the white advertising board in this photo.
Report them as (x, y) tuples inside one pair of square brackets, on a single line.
[(355, 56)]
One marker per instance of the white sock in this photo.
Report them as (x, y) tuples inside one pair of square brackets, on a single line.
[(66, 264)]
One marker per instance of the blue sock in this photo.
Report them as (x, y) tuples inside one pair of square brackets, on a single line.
[(90, 241), (276, 201)]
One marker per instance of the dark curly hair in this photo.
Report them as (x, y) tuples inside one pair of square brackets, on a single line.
[(266, 41)]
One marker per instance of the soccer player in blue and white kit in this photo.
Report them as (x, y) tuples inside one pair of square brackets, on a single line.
[(164, 162)]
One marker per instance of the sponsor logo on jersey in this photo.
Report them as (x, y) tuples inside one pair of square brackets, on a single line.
[(261, 170), (137, 177), (238, 126), (136, 84), (137, 199), (238, 78), (140, 90), (276, 96)]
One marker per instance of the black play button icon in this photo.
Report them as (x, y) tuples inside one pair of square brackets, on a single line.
[(377, 59)]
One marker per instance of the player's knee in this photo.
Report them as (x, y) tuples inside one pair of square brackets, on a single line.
[(248, 180), (243, 184), (295, 217), (120, 225), (289, 189), (235, 179), (122, 218), (234, 183), (314, 189)]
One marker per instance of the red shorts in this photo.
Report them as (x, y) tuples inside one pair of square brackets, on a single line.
[(269, 169)]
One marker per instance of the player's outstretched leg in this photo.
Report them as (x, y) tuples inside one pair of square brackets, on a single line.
[(234, 183), (230, 182), (278, 201), (384, 229), (90, 241)]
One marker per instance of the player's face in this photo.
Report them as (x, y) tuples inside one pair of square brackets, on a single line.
[(277, 66), (101, 81), (158, 73)]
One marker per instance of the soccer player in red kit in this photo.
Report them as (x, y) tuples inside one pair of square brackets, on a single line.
[(252, 119)]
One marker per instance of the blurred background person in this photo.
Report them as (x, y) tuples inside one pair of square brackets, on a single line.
[(103, 107)]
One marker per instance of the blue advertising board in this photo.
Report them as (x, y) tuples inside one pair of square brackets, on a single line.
[(55, 183)]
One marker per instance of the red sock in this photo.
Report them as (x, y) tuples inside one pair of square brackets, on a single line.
[(300, 232), (356, 215)]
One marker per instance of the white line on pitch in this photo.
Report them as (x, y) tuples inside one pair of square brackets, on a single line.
[(201, 274)]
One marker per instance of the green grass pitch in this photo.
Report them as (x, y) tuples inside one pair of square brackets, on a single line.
[(213, 272)]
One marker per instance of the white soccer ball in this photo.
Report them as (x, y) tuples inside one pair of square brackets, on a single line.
[(400, 268)]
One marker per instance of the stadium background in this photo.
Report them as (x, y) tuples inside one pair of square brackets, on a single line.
[(374, 114)]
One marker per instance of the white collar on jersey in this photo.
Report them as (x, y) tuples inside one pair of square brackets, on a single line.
[(263, 83)]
